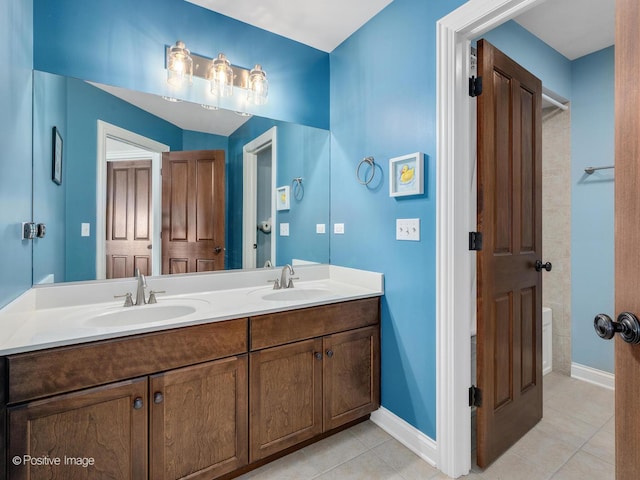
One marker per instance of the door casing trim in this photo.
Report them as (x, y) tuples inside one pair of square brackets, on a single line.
[(106, 130), (455, 306)]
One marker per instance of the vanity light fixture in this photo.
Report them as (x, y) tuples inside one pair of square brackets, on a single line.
[(179, 65), (221, 76), (258, 88), (208, 107), (219, 72)]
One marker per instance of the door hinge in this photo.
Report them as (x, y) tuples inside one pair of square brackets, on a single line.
[(475, 86), (475, 241), (475, 396)]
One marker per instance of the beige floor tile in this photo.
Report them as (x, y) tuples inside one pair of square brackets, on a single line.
[(367, 466), (511, 467), (369, 434), (602, 445), (294, 466), (584, 466), (593, 405), (333, 451), (569, 430), (547, 452), (404, 461)]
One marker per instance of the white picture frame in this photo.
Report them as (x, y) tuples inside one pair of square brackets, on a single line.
[(283, 198), (406, 175)]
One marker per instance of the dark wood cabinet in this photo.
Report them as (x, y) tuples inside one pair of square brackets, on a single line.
[(351, 377), (286, 396), (304, 388), (58, 437), (198, 424), (198, 403)]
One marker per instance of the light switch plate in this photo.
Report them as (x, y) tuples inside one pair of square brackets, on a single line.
[(320, 228), (85, 229), (338, 228), (408, 229), (284, 229)]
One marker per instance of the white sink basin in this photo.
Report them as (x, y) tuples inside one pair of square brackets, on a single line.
[(137, 315), (293, 294)]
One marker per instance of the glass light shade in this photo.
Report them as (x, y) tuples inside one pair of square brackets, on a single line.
[(221, 77), (179, 65), (258, 88)]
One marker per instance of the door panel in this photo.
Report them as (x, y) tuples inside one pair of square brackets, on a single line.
[(129, 218), (198, 426), (627, 233), (193, 209), (509, 308)]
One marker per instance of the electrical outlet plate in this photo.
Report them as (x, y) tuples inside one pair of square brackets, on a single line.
[(320, 228), (408, 229), (284, 229), (338, 228)]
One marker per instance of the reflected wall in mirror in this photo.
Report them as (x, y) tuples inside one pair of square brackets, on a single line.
[(68, 251)]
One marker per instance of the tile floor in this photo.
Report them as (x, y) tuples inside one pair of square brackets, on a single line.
[(574, 440)]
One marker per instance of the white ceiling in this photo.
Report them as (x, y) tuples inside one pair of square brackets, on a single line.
[(572, 27), (321, 24)]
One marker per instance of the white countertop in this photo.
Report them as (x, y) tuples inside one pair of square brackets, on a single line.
[(66, 314)]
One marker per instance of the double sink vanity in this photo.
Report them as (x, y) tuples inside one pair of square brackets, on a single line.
[(224, 373)]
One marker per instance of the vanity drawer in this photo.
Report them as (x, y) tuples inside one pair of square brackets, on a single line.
[(285, 327), (57, 370)]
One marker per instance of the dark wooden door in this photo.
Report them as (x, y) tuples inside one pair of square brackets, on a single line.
[(100, 424), (193, 211), (627, 233), (286, 397), (129, 218), (509, 303), (351, 363), (198, 427)]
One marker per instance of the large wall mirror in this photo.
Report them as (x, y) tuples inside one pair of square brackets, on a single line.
[(103, 130)]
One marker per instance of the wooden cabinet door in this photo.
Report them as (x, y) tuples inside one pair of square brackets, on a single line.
[(106, 424), (351, 375), (198, 425), (286, 396)]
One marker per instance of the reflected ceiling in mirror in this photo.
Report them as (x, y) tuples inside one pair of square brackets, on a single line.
[(74, 107)]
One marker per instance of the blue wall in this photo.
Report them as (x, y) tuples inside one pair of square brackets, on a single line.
[(50, 107), (592, 206), (303, 151), (383, 84), (123, 44), (16, 30)]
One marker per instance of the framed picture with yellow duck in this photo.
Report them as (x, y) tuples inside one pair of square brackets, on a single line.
[(405, 175)]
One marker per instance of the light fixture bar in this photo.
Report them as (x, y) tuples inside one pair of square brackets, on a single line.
[(202, 67)]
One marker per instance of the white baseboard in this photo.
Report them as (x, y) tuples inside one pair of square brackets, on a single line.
[(412, 438), (593, 375)]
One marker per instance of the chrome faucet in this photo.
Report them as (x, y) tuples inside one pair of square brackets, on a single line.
[(283, 277), (142, 285)]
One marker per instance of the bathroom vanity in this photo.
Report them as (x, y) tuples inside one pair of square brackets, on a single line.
[(199, 399)]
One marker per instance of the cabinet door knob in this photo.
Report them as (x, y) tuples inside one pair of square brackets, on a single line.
[(158, 397), (137, 403), (318, 355), (329, 353)]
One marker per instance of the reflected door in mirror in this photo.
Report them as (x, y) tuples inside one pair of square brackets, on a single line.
[(193, 211), (129, 217)]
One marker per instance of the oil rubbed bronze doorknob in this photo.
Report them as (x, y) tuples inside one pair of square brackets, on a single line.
[(627, 325), (539, 266)]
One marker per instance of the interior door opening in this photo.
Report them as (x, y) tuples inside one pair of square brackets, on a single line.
[(260, 161), (117, 145)]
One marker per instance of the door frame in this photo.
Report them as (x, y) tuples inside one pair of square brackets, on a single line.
[(249, 195), (107, 130), (455, 302)]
